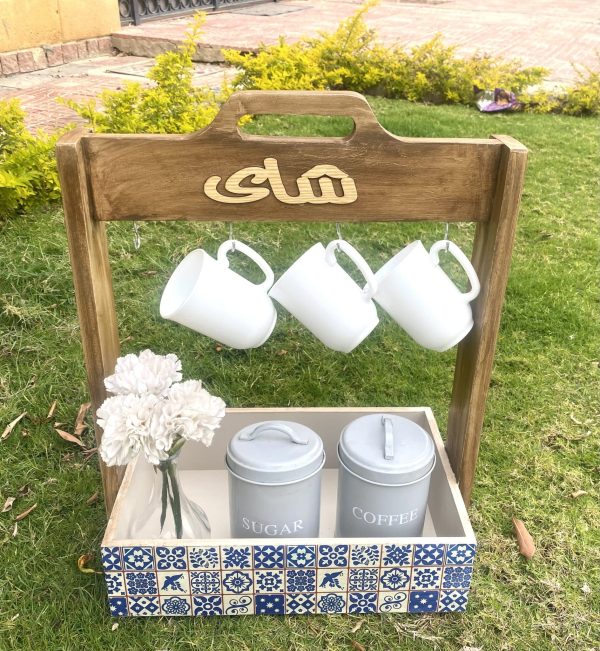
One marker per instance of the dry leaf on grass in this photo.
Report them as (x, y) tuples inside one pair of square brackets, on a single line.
[(24, 490), (115, 626), (69, 437), (357, 626), (218, 348), (358, 646), (80, 425), (23, 515), (8, 504), (577, 494), (82, 562), (92, 499), (9, 428), (15, 530), (51, 410), (524, 539)]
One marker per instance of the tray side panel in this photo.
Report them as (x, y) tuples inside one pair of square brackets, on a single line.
[(294, 576)]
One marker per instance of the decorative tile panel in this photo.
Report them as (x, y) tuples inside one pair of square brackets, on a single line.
[(294, 579), (457, 576), (205, 581), (115, 584), (237, 582), (362, 602), (138, 558), (234, 605), (269, 581), (460, 554), (172, 583), (334, 578), (144, 606), (361, 555), (175, 606), (141, 583), (453, 601), (393, 602), (333, 555), (268, 556), (301, 556), (332, 603), (111, 558), (171, 558), (208, 604), (205, 558), (270, 604)]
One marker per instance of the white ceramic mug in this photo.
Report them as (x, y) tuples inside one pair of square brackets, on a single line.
[(205, 295), (418, 294), (322, 296)]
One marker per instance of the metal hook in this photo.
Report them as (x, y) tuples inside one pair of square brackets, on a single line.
[(137, 238), (447, 228), (231, 236), (338, 231)]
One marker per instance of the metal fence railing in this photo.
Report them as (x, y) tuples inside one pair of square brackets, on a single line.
[(138, 11)]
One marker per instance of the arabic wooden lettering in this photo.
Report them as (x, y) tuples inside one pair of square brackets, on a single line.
[(324, 175)]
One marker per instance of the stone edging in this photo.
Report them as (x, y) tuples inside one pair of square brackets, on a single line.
[(48, 56)]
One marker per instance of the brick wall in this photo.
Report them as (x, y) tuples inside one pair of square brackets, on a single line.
[(47, 56)]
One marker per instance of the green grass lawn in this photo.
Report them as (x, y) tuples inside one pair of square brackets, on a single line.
[(540, 441)]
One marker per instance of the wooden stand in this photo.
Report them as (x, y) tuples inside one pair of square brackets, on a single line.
[(370, 175)]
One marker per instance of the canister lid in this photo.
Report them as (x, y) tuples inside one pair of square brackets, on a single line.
[(387, 449), (275, 451)]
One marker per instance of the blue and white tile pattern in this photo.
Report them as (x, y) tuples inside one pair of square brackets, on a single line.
[(293, 579)]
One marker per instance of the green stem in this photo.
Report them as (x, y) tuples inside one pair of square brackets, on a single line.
[(176, 501), (179, 443), (164, 494)]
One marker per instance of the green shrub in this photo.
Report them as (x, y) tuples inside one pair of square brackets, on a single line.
[(351, 58), (28, 174), (171, 105), (584, 97)]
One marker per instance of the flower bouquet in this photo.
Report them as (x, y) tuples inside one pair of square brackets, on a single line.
[(152, 411)]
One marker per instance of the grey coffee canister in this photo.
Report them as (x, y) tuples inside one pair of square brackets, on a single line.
[(386, 462), (275, 480)]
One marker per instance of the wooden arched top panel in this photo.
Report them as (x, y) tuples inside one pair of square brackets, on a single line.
[(222, 174)]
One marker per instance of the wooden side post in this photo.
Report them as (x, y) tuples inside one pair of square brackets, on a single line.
[(492, 250), (88, 249)]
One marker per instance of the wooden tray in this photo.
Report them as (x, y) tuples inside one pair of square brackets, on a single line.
[(225, 576)]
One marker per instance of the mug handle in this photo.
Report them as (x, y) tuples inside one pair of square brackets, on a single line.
[(463, 261), (358, 260), (273, 427), (236, 245)]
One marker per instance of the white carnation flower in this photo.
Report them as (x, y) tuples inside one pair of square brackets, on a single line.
[(144, 373), (192, 412), (125, 420)]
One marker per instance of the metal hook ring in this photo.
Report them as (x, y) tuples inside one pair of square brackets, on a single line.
[(231, 237), (338, 232)]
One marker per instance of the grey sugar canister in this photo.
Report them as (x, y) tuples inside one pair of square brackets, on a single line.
[(275, 480), (386, 462)]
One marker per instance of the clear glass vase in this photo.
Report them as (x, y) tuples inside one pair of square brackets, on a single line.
[(168, 513)]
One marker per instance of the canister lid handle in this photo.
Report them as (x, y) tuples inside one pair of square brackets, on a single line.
[(388, 428), (273, 427)]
